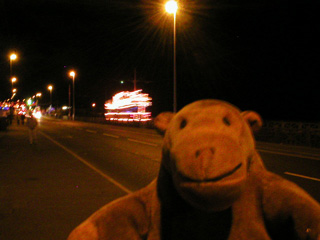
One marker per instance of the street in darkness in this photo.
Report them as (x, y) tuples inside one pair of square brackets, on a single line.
[(75, 168)]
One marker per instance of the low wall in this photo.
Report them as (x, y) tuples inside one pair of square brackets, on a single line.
[(292, 133)]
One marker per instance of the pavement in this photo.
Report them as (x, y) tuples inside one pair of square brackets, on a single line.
[(45, 192)]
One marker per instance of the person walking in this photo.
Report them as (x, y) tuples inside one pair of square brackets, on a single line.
[(11, 115), (22, 119), (18, 119), (32, 125)]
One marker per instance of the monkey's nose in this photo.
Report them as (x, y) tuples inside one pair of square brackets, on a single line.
[(205, 152)]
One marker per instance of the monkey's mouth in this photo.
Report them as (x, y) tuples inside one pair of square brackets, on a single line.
[(215, 179)]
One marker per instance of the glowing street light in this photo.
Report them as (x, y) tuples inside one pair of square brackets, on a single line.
[(14, 92), (50, 87), (172, 7), (13, 80), (73, 74), (38, 95), (13, 57)]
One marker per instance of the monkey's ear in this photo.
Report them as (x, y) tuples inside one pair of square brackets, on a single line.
[(161, 122), (253, 119)]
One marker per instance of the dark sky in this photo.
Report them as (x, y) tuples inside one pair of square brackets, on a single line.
[(257, 54)]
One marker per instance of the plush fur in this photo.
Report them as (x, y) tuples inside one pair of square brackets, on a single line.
[(212, 184)]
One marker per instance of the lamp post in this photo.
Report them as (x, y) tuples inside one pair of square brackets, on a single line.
[(38, 95), (69, 114), (13, 80), (73, 74), (14, 92), (50, 89), (172, 7), (13, 57)]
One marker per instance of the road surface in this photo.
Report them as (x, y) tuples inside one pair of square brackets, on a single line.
[(130, 157), (49, 188)]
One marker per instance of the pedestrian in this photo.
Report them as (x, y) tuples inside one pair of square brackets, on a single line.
[(18, 119), (32, 125), (10, 115), (22, 119)]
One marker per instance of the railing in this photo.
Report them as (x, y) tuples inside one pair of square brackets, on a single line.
[(292, 133)]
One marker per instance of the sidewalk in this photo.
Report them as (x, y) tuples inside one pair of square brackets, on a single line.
[(44, 191)]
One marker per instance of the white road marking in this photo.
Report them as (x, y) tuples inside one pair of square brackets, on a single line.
[(302, 176), (91, 131), (136, 132), (110, 135), (289, 154), (142, 142), (119, 185)]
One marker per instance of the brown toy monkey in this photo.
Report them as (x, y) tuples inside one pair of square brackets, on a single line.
[(212, 184)]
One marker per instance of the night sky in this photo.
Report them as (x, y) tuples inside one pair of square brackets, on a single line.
[(260, 55)]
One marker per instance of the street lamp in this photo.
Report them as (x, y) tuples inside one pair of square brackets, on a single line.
[(38, 95), (50, 89), (172, 7), (14, 92), (73, 74), (13, 57), (13, 80)]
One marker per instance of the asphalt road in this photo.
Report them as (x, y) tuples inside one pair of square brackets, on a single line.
[(130, 157), (75, 168)]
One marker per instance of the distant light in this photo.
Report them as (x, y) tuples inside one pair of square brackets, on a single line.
[(13, 56), (171, 6), (29, 102), (14, 79), (14, 90), (50, 87), (37, 114), (93, 104), (72, 73), (64, 108), (122, 82)]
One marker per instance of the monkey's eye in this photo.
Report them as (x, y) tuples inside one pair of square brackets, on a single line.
[(226, 121), (183, 124)]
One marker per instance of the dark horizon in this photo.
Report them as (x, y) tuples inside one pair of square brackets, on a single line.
[(257, 56)]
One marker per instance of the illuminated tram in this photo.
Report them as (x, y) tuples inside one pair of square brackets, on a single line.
[(128, 107)]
